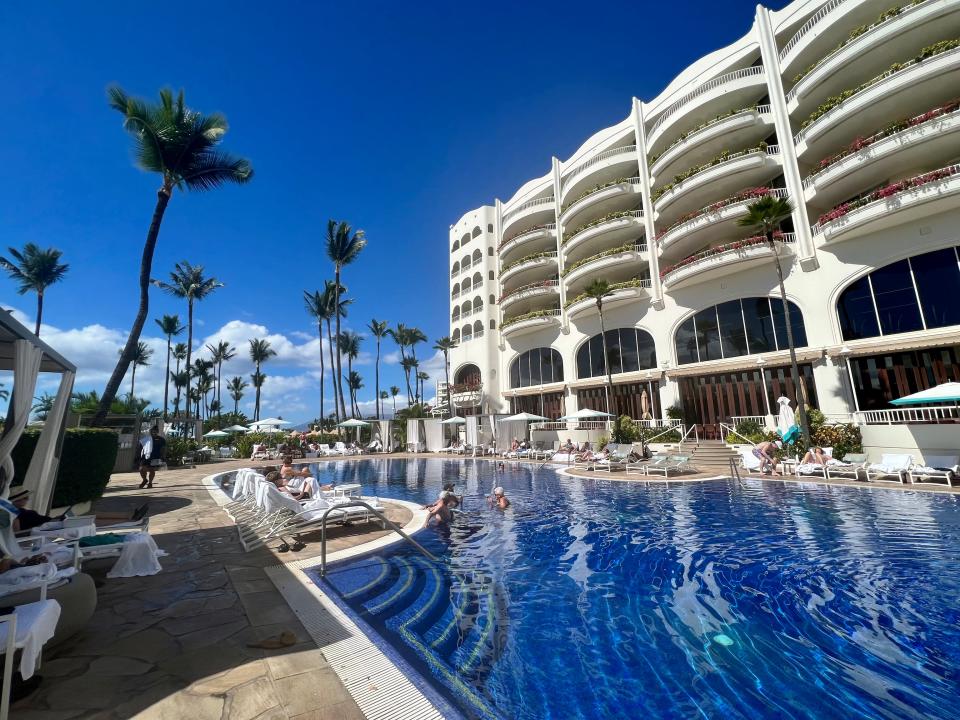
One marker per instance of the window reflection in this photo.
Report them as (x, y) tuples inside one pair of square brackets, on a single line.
[(539, 366), (628, 350)]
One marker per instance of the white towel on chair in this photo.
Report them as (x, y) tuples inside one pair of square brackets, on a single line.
[(138, 557), (36, 623)]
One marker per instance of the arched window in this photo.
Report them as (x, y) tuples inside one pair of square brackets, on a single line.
[(628, 350), (465, 239), (466, 307), (493, 299), (918, 293), (456, 335), (477, 304), (467, 332), (468, 375), (465, 261), (456, 245), (455, 269), (456, 290), (477, 256), (477, 279), (478, 326), (466, 285), (491, 274), (455, 315), (747, 326), (476, 231), (539, 366)]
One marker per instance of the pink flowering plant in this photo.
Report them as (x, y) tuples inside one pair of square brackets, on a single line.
[(887, 191)]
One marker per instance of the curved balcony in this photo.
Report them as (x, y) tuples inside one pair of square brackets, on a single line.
[(627, 225), (535, 321), (526, 269), (901, 202), (921, 143), (742, 128), (721, 261), (542, 237), (739, 88), (880, 100), (748, 167), (711, 223), (622, 294), (869, 54), (825, 29), (617, 264), (529, 297), (531, 211), (603, 167), (606, 198)]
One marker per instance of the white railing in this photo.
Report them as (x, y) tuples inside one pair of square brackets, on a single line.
[(542, 285), (759, 419), (706, 87), (707, 210), (599, 157), (760, 110), (546, 255), (455, 294), (465, 266), (477, 334), (528, 204), (467, 337), (532, 231), (569, 425), (808, 25), (769, 150), (640, 247), (626, 181), (726, 430), (466, 314), (906, 416), (541, 315), (625, 216)]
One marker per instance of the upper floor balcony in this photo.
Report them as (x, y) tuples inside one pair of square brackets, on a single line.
[(530, 322), (530, 297), (535, 266), (921, 82), (723, 260), (715, 222), (621, 293), (614, 265), (896, 35), (609, 197), (536, 239), (736, 89), (602, 167), (745, 127), (917, 142), (527, 215), (900, 202), (614, 228), (718, 177)]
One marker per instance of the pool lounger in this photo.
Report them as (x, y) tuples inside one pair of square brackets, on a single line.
[(891, 466), (935, 467), (852, 465), (678, 463)]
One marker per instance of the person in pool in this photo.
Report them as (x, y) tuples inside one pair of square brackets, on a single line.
[(446, 492), (287, 470), (442, 513), (499, 499)]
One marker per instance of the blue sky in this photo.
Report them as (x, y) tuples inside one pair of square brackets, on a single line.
[(398, 117)]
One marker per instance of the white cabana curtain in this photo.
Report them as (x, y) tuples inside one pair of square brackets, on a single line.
[(413, 434), (473, 430), (386, 438), (41, 475), (433, 432)]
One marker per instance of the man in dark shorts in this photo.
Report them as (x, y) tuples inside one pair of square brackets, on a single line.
[(151, 457)]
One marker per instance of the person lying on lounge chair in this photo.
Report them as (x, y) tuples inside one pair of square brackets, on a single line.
[(815, 456)]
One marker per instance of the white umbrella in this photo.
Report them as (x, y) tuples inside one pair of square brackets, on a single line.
[(945, 392), (236, 429), (270, 422), (216, 434), (353, 423), (523, 417), (786, 420), (586, 414), (455, 420)]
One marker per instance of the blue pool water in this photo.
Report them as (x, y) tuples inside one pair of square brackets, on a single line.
[(599, 599)]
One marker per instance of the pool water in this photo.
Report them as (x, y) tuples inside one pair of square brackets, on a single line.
[(715, 599)]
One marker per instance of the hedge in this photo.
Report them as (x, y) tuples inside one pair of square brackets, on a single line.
[(86, 463)]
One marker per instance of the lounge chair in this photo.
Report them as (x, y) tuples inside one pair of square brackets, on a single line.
[(850, 467), (616, 461), (673, 463), (540, 452), (338, 449), (891, 465), (640, 466), (942, 467)]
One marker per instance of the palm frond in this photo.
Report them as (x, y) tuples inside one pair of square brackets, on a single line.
[(211, 170)]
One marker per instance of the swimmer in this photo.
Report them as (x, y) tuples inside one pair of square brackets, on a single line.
[(498, 499)]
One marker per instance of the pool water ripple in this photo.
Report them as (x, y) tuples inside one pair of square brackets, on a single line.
[(717, 599)]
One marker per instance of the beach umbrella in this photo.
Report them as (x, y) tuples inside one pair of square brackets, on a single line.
[(523, 417), (354, 423), (455, 420), (586, 414), (236, 429), (945, 392), (216, 434), (269, 422)]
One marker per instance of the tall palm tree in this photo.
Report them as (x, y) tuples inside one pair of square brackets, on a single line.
[(422, 377), (384, 395), (260, 352), (236, 386), (765, 215), (343, 247), (394, 391), (401, 336), (348, 343), (317, 309), (187, 282), (35, 269), (44, 406), (445, 345), (204, 379), (598, 290), (140, 359), (354, 382), (379, 329), (180, 145), (220, 353), (179, 355), (179, 385), (171, 327), (329, 300), (408, 364)]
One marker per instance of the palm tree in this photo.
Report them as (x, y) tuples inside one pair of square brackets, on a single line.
[(381, 397), (35, 269), (181, 146), (401, 335), (260, 352), (379, 329), (179, 355), (43, 406), (598, 290), (329, 302), (187, 281), (354, 382), (204, 379), (765, 216), (141, 358), (408, 364), (348, 344), (171, 327), (422, 377), (343, 247), (236, 386), (180, 380), (394, 391), (445, 345), (4, 393), (316, 308), (220, 353)]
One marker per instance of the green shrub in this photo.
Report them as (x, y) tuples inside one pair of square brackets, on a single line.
[(177, 447), (86, 463), (749, 427)]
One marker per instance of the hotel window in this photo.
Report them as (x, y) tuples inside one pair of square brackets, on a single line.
[(476, 231), (918, 293), (747, 326), (540, 366), (628, 350), (489, 227)]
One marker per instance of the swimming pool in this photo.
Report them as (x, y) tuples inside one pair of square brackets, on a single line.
[(601, 599)]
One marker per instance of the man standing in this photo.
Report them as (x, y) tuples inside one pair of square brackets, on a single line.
[(152, 452)]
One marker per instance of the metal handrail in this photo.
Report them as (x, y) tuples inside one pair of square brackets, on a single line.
[(670, 429), (383, 518), (696, 436), (728, 430), (593, 160), (805, 28), (528, 204)]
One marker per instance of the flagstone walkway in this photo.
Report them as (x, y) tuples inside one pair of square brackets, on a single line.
[(176, 645)]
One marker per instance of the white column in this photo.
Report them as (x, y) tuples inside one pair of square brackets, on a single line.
[(498, 288), (640, 133), (41, 477), (555, 170), (788, 151)]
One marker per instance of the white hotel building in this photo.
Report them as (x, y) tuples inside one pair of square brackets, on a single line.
[(845, 107)]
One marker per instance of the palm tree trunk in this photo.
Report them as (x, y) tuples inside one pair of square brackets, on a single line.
[(236, 405), (333, 384), (794, 368), (146, 264), (36, 330), (133, 380), (406, 373), (377, 381), (166, 382), (189, 348), (394, 405), (176, 399), (336, 313), (446, 374), (320, 335), (256, 402), (606, 360)]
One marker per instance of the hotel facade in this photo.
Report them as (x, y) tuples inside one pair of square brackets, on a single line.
[(847, 108)]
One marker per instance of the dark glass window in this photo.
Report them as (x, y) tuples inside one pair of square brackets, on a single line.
[(938, 276), (628, 350), (686, 342), (596, 356), (780, 325), (708, 335), (546, 367), (732, 335), (524, 361), (535, 367), (583, 361), (756, 315), (896, 299), (613, 351), (646, 351), (535, 375), (857, 316)]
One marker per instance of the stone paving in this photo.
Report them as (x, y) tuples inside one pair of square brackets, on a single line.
[(176, 645)]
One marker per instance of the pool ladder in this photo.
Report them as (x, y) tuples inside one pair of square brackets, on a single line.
[(735, 470), (383, 519)]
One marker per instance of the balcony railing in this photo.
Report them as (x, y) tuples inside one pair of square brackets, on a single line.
[(726, 250), (741, 197), (535, 315), (628, 247), (600, 188), (759, 109), (612, 217), (718, 161), (529, 258), (543, 284), (530, 231), (809, 25), (598, 158), (528, 204), (455, 294), (906, 416), (705, 88), (477, 334), (644, 282)]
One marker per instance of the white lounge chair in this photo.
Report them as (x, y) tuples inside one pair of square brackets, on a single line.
[(290, 517), (673, 463), (891, 465), (850, 467), (338, 449), (936, 467)]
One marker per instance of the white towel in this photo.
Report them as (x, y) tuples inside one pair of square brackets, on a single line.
[(36, 623), (55, 529), (138, 557), (26, 577)]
